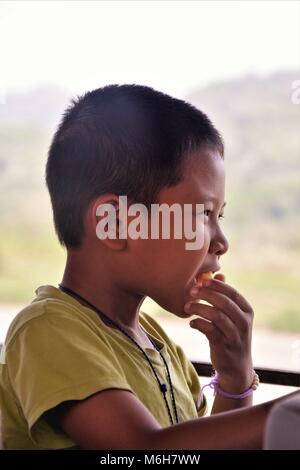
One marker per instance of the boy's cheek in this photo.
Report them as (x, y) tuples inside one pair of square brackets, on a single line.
[(174, 299), (171, 272)]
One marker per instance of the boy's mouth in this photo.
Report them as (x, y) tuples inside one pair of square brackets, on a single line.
[(202, 275)]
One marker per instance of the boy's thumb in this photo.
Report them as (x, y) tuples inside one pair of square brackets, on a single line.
[(220, 277)]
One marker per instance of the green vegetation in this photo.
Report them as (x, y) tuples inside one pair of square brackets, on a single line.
[(261, 130)]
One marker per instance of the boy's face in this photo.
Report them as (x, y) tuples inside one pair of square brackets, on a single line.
[(165, 269)]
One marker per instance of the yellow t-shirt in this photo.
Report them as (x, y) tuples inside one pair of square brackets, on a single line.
[(58, 350)]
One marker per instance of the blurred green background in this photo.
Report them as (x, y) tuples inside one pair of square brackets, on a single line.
[(260, 125)]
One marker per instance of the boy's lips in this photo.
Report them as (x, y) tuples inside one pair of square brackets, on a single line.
[(213, 269), (209, 269)]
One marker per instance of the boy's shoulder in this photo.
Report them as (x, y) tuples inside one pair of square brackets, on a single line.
[(43, 304), (34, 310)]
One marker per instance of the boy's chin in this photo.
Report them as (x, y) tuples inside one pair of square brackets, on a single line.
[(182, 314), (174, 304), (178, 310)]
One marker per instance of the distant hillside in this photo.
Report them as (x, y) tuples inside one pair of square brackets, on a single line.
[(39, 108), (27, 122)]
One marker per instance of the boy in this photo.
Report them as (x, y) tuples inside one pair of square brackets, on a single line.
[(82, 366)]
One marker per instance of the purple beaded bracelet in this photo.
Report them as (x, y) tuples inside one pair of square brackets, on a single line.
[(215, 385)]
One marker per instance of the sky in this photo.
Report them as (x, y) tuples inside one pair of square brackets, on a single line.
[(174, 46)]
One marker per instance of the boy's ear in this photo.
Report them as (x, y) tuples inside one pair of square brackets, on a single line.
[(106, 222)]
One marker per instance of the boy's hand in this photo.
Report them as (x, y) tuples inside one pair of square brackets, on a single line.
[(228, 330)]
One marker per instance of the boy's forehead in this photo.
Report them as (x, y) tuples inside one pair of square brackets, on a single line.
[(204, 180)]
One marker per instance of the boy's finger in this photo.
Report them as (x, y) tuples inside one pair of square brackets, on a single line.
[(208, 329), (224, 304), (229, 291), (220, 277), (222, 321)]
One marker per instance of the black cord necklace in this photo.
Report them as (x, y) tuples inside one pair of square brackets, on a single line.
[(162, 386)]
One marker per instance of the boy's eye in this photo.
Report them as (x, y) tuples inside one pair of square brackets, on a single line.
[(207, 213)]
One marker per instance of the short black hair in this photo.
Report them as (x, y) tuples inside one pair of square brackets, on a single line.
[(123, 139)]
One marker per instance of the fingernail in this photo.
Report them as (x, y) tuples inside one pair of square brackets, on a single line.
[(187, 306), (194, 291), (192, 323)]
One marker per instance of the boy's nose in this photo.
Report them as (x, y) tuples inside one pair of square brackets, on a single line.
[(219, 244)]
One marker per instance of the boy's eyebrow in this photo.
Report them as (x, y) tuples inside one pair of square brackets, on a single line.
[(214, 200)]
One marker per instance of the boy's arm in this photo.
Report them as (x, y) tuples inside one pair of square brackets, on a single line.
[(227, 404), (116, 419), (222, 403)]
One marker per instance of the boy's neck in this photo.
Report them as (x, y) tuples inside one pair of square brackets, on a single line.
[(98, 289)]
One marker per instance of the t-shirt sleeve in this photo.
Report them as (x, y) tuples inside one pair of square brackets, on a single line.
[(193, 381), (56, 358)]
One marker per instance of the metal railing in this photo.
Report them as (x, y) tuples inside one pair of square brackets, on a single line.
[(269, 376)]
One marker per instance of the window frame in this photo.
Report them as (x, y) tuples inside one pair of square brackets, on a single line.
[(269, 376)]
